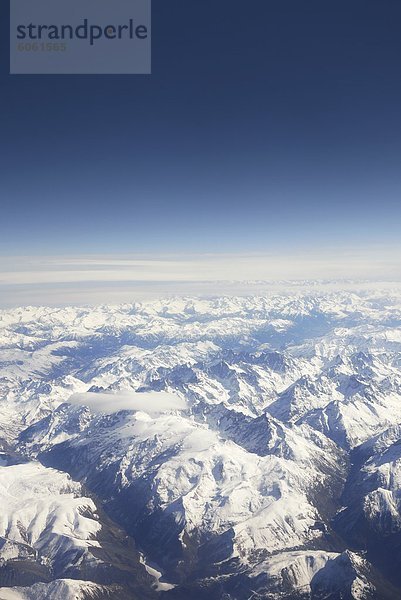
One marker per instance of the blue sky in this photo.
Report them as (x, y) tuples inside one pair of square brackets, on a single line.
[(265, 127)]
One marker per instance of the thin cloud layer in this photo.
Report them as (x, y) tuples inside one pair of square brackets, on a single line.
[(113, 279), (153, 403)]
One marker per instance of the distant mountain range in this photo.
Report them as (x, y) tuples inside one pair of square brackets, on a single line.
[(241, 448)]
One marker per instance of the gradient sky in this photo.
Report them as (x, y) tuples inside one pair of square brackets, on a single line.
[(265, 125)]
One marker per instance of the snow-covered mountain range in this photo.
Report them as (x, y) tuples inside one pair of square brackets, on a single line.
[(224, 448)]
